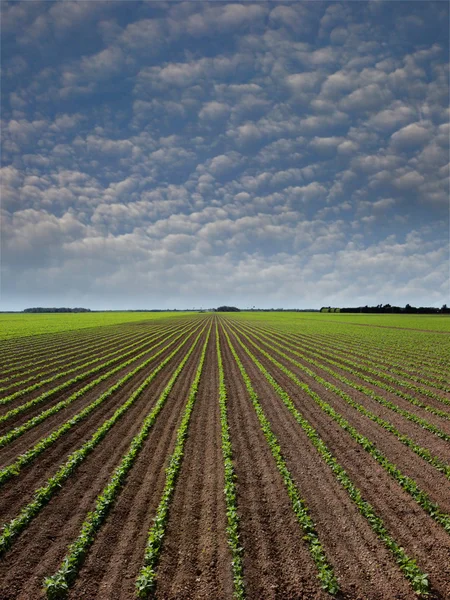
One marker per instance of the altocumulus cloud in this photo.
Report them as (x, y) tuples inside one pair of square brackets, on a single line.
[(178, 154)]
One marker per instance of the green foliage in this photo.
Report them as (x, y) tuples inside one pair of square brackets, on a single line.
[(46, 366), (407, 483), (26, 458), (57, 585), (417, 579), (43, 494), (15, 325), (146, 580), (230, 484), (422, 452), (325, 571)]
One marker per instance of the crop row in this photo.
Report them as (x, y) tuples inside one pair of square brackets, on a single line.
[(58, 341), (365, 390), (326, 574), (48, 394), (118, 354), (27, 457), (57, 585), (407, 483), (374, 396), (77, 362), (230, 483), (375, 368), (406, 349), (146, 579), (384, 386), (420, 451), (74, 353), (370, 358), (43, 494), (418, 580)]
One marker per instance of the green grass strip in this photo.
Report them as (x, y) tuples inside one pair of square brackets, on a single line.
[(407, 483), (57, 585), (418, 580), (230, 484), (419, 450), (43, 494), (326, 574), (24, 407), (25, 459), (146, 580)]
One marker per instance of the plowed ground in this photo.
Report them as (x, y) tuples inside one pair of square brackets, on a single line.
[(195, 561)]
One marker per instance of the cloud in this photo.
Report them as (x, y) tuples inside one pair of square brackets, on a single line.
[(414, 135), (277, 153)]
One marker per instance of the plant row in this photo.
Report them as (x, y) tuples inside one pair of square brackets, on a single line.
[(146, 580), (59, 341), (31, 374), (27, 457), (386, 352), (61, 357), (57, 585), (326, 574), (43, 494), (378, 370), (424, 453), (230, 483), (370, 393), (45, 395), (369, 359), (388, 388), (117, 354), (418, 580), (407, 483)]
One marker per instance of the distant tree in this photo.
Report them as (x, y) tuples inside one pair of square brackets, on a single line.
[(227, 309)]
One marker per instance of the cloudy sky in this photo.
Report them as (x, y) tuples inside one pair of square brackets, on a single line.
[(181, 154)]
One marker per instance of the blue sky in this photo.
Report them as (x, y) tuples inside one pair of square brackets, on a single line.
[(187, 154)]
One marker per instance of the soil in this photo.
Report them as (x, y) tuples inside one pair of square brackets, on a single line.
[(195, 562)]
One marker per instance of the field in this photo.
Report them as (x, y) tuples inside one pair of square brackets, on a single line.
[(14, 325), (240, 455)]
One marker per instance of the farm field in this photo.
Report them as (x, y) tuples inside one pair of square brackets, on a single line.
[(220, 456)]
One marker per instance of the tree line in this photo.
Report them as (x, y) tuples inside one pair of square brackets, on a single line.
[(388, 309)]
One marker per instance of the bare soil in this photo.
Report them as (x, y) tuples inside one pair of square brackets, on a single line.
[(195, 563)]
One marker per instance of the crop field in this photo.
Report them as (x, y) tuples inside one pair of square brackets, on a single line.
[(219, 456)]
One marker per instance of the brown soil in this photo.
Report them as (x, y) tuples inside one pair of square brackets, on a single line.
[(41, 547), (196, 561), (364, 566), (421, 537), (421, 436), (113, 564), (277, 563)]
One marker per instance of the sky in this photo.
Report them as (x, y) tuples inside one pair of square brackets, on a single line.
[(192, 154)]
